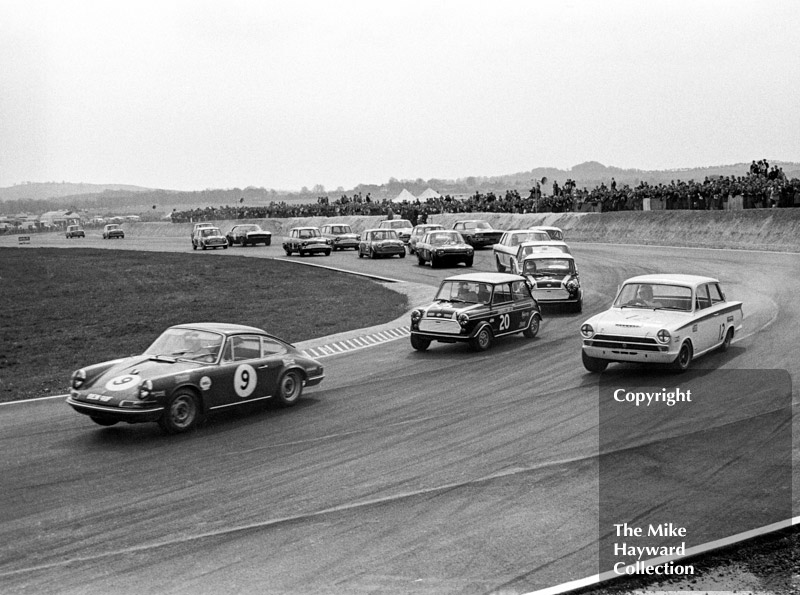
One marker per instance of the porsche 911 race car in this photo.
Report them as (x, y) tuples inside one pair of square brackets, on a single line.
[(189, 371)]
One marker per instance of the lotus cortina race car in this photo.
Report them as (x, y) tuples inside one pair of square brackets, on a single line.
[(189, 371), (662, 319)]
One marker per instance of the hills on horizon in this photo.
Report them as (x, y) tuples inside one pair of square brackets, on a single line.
[(589, 174)]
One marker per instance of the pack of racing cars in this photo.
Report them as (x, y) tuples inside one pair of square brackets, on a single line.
[(191, 370)]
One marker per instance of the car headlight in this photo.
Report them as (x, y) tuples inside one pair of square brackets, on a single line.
[(78, 378), (663, 336), (573, 285), (463, 319), (145, 389), (416, 316), (587, 331)]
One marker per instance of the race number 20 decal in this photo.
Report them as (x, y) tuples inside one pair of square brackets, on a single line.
[(245, 380)]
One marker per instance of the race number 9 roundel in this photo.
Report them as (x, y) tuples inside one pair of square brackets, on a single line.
[(122, 382), (245, 380)]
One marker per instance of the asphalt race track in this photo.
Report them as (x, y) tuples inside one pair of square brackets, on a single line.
[(441, 472)]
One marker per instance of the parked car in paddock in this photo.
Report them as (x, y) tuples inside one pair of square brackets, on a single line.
[(506, 247), (190, 371), (418, 232), (477, 308), (443, 247), (478, 233), (554, 279), (376, 243), (75, 231), (403, 228), (113, 231), (527, 248), (248, 234), (555, 233), (209, 237), (662, 319), (340, 235), (306, 240)]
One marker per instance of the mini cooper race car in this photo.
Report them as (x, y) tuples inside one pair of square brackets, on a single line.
[(663, 319), (306, 240), (113, 230), (477, 308), (525, 249), (209, 237), (380, 242), (554, 279), (248, 234), (403, 228), (75, 231), (189, 371), (444, 246), (340, 235)]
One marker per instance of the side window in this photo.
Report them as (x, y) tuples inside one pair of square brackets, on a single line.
[(703, 300), (502, 294), (270, 347), (245, 347), (715, 293), (520, 291)]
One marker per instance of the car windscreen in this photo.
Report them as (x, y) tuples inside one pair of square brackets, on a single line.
[(548, 266), (190, 344), (444, 239), (656, 296)]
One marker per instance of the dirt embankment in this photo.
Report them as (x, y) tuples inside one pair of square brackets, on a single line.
[(757, 229)]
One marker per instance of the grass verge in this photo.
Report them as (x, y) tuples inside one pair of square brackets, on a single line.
[(63, 309)]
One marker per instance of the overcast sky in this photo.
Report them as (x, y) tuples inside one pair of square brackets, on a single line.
[(199, 94)]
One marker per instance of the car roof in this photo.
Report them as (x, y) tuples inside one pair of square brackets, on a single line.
[(529, 230), (544, 227), (487, 277), (305, 227), (672, 279), (225, 328), (471, 221), (380, 229), (554, 254), (543, 243)]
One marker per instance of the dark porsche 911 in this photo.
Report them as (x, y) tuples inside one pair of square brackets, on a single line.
[(189, 371)]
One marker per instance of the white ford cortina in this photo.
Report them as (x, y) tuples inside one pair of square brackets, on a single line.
[(663, 319)]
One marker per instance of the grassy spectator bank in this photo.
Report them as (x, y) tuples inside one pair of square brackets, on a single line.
[(755, 229)]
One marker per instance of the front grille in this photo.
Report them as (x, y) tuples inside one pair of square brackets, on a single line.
[(449, 327), (624, 342)]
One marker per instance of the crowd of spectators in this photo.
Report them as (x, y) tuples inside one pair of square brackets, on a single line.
[(762, 187)]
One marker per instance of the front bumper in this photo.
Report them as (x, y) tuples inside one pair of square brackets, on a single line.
[(118, 413), (622, 354)]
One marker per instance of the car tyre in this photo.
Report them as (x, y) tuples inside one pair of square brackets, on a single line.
[(327, 252), (533, 327), (268, 242), (103, 421), (372, 253), (181, 413), (403, 253), (434, 262), (593, 364), (468, 262), (288, 252), (684, 358), (290, 388), (419, 343), (483, 340), (420, 260), (727, 342), (360, 255), (194, 246), (500, 267)]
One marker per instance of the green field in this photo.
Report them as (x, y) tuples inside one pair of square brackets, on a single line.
[(64, 309)]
